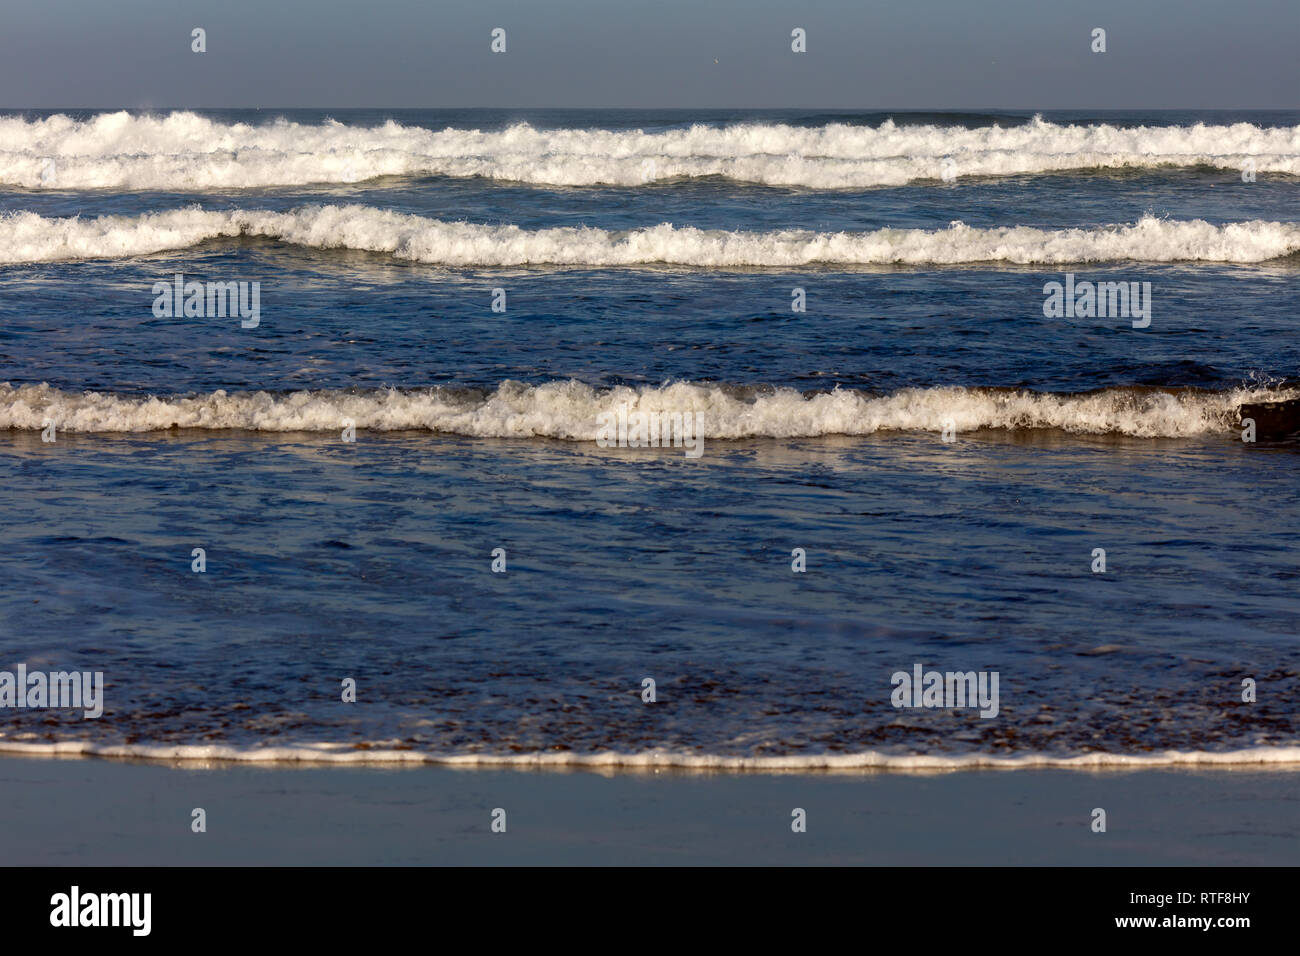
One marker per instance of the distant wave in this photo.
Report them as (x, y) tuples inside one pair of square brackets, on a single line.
[(869, 760), (26, 237), (569, 410), (183, 151)]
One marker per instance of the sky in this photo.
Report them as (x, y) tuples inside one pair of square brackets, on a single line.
[(911, 54)]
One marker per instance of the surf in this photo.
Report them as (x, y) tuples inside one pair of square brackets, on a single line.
[(574, 411), (26, 237), (184, 151)]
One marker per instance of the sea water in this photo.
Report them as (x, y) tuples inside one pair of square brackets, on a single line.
[(396, 476)]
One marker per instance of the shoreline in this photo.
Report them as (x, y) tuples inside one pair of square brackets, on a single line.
[(1280, 757)]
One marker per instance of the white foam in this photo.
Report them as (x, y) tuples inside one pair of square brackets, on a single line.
[(570, 410), (345, 754), (184, 151), (26, 237)]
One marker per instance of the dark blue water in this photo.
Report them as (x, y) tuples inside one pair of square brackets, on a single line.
[(330, 559)]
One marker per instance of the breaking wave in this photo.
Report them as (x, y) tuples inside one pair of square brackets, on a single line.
[(571, 411), (184, 151), (26, 237)]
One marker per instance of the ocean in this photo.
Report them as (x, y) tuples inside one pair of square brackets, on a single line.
[(950, 393)]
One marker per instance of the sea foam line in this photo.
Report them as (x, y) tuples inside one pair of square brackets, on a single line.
[(348, 754), (185, 151), (26, 237), (571, 411)]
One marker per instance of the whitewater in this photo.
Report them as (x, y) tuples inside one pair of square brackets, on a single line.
[(26, 237), (571, 410), (183, 151), (349, 755)]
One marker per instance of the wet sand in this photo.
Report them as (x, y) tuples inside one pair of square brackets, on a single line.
[(97, 812)]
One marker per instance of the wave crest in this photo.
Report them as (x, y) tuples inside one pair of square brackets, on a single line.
[(26, 237), (570, 410), (185, 151)]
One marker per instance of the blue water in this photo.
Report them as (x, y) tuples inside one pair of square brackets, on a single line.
[(371, 559)]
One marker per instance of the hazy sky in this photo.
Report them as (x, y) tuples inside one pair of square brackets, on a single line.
[(647, 53)]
